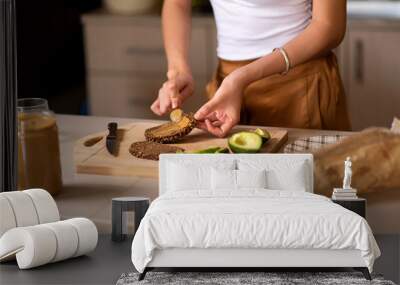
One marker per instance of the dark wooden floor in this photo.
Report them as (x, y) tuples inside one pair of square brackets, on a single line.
[(110, 260)]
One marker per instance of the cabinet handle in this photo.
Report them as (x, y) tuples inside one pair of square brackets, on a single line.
[(359, 61)]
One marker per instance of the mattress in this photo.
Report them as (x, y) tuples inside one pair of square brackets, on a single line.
[(250, 219)]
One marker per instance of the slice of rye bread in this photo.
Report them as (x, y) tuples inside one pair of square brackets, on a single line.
[(151, 150)]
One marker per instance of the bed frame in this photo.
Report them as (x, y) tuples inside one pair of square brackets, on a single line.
[(245, 259)]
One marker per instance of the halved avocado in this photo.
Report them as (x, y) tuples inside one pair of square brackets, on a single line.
[(245, 142), (265, 135), (223, 150), (213, 149)]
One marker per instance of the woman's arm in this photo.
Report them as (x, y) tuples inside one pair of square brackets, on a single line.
[(325, 32), (176, 23)]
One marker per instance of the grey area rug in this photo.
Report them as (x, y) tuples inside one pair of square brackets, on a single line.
[(269, 278)]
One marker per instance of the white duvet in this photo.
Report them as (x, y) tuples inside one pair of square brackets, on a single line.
[(250, 219)]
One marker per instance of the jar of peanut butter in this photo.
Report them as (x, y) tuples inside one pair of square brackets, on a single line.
[(38, 146)]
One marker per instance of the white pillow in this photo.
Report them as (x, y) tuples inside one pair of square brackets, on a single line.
[(281, 174), (190, 176), (251, 178), (292, 179), (236, 179), (223, 179)]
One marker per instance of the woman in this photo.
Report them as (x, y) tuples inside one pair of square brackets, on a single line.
[(275, 67)]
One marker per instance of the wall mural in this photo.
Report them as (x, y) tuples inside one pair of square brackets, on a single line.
[(375, 155)]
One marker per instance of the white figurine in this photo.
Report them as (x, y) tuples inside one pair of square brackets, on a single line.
[(347, 174)]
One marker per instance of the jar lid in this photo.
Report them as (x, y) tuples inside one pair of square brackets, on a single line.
[(32, 105)]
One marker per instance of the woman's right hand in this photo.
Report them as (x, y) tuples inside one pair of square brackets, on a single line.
[(178, 87)]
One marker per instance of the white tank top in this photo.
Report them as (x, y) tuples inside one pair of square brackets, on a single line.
[(249, 29)]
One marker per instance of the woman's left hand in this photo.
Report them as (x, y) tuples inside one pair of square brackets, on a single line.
[(219, 115)]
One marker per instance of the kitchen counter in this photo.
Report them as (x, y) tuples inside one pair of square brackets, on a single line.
[(90, 195)]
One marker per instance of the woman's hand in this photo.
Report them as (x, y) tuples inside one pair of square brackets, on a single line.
[(174, 92), (219, 115)]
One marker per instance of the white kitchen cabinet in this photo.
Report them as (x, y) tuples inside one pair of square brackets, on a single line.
[(126, 63), (370, 64)]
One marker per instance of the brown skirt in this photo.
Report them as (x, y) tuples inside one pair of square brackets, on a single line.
[(310, 96)]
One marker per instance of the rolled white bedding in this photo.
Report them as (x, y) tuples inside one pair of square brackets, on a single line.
[(45, 206), (31, 230), (26, 208), (40, 244), (23, 208), (7, 220)]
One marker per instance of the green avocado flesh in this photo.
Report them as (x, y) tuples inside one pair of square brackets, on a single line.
[(263, 134), (245, 142), (215, 149), (223, 150), (206, 150)]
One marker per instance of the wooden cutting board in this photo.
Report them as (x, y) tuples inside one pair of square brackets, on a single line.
[(92, 157)]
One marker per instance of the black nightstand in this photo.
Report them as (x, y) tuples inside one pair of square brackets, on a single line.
[(358, 206), (139, 205)]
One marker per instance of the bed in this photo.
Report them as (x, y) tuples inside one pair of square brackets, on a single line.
[(246, 211)]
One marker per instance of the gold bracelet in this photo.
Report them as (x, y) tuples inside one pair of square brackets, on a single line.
[(286, 57)]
